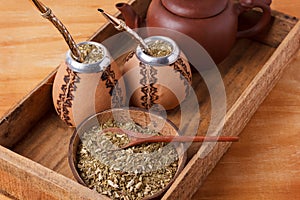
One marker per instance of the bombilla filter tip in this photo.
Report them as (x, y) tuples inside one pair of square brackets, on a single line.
[(115, 21), (121, 26)]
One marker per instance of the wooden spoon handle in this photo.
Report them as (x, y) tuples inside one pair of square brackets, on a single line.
[(170, 138), (139, 138), (186, 139)]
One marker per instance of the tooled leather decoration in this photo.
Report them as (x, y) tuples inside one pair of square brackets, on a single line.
[(65, 99), (129, 56), (114, 89), (109, 77), (148, 81), (186, 76)]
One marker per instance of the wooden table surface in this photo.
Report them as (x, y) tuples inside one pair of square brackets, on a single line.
[(265, 164)]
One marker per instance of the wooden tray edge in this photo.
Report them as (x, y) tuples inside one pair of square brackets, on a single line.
[(25, 114), (16, 161), (25, 177), (197, 169)]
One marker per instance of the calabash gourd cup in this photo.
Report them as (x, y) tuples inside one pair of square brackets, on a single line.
[(163, 80), (80, 90)]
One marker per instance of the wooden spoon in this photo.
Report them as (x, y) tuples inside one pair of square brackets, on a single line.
[(139, 138)]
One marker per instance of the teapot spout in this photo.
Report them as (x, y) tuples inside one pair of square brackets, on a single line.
[(130, 16)]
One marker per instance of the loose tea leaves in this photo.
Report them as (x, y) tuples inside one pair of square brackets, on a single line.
[(159, 48), (90, 53), (134, 173)]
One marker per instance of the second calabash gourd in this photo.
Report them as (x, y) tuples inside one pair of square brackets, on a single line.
[(162, 79)]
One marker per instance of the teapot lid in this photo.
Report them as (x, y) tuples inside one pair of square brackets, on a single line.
[(195, 8)]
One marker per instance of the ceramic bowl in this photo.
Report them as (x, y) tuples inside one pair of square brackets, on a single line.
[(138, 116)]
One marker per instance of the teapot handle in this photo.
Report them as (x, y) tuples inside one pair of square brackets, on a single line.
[(245, 5)]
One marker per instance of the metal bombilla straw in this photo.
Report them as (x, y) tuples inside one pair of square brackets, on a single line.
[(48, 14), (121, 26)]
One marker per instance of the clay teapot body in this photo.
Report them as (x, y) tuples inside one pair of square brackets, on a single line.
[(212, 23)]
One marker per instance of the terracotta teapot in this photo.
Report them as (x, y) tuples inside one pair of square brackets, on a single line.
[(212, 23)]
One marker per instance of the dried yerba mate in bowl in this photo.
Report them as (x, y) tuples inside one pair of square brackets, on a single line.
[(139, 172)]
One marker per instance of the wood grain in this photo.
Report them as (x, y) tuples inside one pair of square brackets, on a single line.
[(238, 115), (264, 165), (31, 48), (27, 180)]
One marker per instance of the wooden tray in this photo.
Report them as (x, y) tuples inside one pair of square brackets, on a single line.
[(33, 155)]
